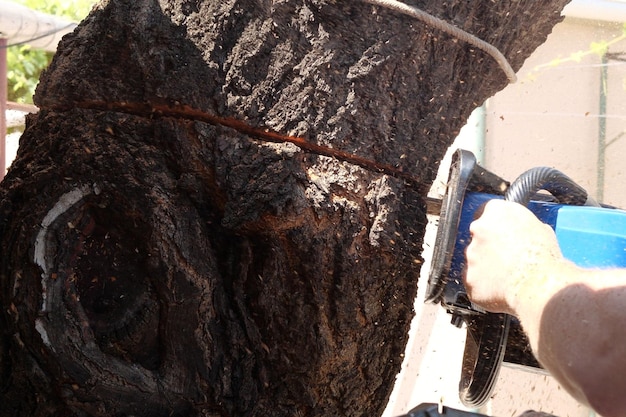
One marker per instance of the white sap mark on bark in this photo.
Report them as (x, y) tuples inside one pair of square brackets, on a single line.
[(41, 329), (67, 201)]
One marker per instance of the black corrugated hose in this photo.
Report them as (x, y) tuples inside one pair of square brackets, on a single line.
[(562, 187)]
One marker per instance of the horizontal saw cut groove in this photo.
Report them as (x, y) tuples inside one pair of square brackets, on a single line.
[(179, 111)]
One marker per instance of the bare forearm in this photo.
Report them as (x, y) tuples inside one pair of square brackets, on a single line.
[(574, 319)]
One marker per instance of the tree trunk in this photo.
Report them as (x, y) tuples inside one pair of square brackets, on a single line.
[(166, 251)]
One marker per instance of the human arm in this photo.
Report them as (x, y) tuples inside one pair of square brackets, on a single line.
[(574, 317)]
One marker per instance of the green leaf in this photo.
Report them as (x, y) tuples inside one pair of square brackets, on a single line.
[(578, 56), (599, 48), (555, 62), (25, 63)]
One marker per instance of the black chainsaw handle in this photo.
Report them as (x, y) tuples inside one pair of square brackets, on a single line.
[(562, 187), (436, 410)]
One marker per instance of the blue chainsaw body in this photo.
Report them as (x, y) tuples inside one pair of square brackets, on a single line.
[(590, 235)]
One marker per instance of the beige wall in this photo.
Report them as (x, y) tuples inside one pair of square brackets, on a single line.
[(551, 116)]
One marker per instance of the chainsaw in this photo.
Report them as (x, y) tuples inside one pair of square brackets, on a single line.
[(439, 410), (589, 234)]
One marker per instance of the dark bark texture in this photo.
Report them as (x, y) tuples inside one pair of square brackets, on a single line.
[(160, 258)]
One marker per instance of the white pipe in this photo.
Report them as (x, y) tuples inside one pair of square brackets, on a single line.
[(604, 10), (19, 24)]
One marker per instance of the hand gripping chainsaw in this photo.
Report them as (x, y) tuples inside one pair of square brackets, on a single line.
[(589, 234)]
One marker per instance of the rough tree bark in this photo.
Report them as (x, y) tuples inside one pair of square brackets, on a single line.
[(161, 256)]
